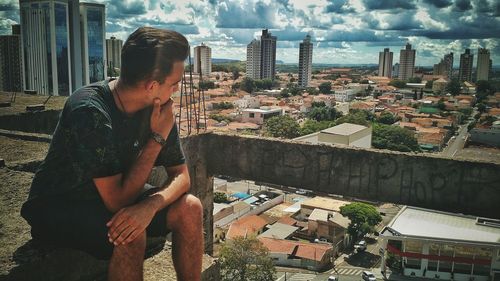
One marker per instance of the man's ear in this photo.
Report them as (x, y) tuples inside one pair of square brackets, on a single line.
[(151, 85)]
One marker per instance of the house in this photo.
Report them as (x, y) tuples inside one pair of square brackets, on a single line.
[(321, 225), (440, 245), (344, 134), (312, 256), (344, 95), (279, 231), (259, 116), (250, 225)]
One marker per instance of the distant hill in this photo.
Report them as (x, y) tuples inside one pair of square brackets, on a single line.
[(215, 60)]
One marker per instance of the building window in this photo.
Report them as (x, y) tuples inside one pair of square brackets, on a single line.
[(413, 246), (480, 269), (251, 115), (413, 263)]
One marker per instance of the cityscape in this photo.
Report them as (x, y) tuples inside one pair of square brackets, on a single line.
[(338, 140)]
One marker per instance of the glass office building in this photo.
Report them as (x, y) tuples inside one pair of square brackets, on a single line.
[(93, 39), (46, 46)]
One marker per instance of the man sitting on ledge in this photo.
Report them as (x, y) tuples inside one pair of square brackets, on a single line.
[(90, 192)]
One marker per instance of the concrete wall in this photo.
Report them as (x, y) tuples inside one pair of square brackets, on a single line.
[(418, 180)]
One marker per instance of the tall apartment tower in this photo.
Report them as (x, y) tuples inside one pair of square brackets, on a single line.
[(253, 60), (385, 63), (305, 61), (395, 70), (93, 39), (406, 62), (483, 64), (113, 54), (203, 59), (465, 70), (267, 55), (11, 64), (445, 66)]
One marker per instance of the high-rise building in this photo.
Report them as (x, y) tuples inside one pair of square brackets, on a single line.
[(113, 54), (385, 63), (395, 70), (445, 66), (465, 70), (305, 61), (11, 65), (253, 60), (267, 55), (406, 63), (483, 64), (448, 61), (63, 45), (46, 46), (203, 59), (93, 39)]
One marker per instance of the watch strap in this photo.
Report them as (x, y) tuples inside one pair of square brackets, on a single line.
[(158, 138)]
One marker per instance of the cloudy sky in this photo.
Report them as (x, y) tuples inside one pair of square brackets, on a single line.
[(343, 31)]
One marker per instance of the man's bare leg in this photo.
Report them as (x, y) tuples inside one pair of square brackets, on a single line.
[(185, 219), (127, 261)]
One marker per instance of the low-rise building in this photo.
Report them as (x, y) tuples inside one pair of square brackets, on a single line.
[(440, 245), (259, 116), (311, 256), (488, 136), (344, 95), (250, 225), (344, 134)]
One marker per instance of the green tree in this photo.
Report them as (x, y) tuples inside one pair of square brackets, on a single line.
[(245, 259), (357, 117), (415, 80), (364, 218), (318, 104), (323, 113), (481, 107), (223, 105), (247, 85), (313, 126), (453, 87), (398, 83), (325, 88), (282, 126), (312, 91), (441, 105), (429, 84), (394, 138), (205, 85), (236, 73), (220, 118), (387, 118), (220, 197)]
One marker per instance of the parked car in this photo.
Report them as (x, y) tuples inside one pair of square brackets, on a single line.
[(361, 246), (368, 276), (333, 278), (301, 191)]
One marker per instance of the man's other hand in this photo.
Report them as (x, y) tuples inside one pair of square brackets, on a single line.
[(162, 117), (129, 222)]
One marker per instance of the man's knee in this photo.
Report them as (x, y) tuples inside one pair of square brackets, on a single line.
[(136, 247), (187, 209)]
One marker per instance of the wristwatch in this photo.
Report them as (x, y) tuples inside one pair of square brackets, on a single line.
[(158, 138)]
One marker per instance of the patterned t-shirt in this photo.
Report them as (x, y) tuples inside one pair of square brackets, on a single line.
[(93, 139)]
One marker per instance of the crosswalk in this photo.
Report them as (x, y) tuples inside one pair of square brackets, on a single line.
[(301, 277), (347, 271)]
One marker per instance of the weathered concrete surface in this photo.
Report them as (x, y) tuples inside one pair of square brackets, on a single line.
[(21, 260), (403, 178), (43, 122)]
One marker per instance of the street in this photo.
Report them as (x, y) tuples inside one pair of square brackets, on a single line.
[(457, 142)]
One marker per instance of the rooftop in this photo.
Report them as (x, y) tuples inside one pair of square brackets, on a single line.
[(344, 129), (279, 231), (246, 226), (324, 203), (425, 223)]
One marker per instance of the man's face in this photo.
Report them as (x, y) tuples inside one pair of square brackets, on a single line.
[(171, 83)]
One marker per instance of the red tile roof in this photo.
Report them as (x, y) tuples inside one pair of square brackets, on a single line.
[(246, 226), (303, 250)]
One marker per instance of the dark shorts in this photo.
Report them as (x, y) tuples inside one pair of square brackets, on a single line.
[(82, 225)]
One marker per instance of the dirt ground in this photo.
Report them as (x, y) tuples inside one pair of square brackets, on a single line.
[(16, 151), (23, 100)]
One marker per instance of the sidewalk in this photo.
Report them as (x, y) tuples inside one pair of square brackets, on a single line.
[(395, 276)]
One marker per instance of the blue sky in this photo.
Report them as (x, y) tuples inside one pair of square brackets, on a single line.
[(343, 31)]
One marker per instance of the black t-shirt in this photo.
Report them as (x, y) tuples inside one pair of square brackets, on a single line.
[(93, 139)]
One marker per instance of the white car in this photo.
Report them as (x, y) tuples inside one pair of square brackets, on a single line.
[(333, 278), (361, 246), (368, 276)]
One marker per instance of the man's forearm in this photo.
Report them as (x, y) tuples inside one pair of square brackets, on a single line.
[(133, 182), (177, 185)]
